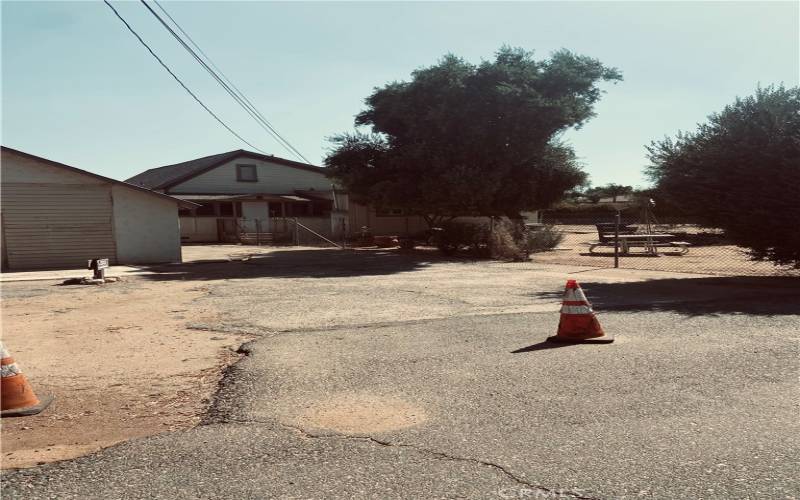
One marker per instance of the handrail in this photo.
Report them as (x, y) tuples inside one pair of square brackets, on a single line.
[(317, 234), (294, 220)]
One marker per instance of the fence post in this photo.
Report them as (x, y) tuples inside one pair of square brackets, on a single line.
[(616, 240), (296, 233)]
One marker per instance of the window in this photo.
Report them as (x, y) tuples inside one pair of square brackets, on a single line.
[(246, 173), (275, 209)]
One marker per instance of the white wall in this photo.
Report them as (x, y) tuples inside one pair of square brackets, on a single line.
[(272, 178), (199, 229), (145, 227)]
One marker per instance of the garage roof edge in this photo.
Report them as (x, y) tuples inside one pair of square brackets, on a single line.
[(182, 203)]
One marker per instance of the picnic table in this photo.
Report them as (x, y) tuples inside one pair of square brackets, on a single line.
[(650, 242)]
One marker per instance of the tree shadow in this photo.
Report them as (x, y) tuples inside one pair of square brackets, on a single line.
[(324, 263), (763, 296)]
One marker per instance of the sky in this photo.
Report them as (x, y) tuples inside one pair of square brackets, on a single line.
[(78, 88)]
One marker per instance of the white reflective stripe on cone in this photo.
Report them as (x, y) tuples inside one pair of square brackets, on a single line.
[(569, 295), (576, 309), (9, 370), (581, 296)]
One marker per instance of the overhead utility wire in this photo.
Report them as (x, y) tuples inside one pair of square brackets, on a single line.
[(179, 80), (224, 82), (252, 106)]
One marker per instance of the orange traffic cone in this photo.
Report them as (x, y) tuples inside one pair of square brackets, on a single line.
[(578, 324), (16, 396)]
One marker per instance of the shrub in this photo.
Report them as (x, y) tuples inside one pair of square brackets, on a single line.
[(406, 243), (501, 239), (461, 235), (543, 239), (507, 241)]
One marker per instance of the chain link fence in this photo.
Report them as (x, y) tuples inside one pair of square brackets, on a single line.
[(639, 240)]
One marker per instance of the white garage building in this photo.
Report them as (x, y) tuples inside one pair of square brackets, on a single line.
[(57, 216)]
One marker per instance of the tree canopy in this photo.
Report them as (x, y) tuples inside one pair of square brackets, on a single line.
[(740, 171), (607, 191), (460, 138)]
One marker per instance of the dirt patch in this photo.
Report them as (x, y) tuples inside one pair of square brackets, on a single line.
[(118, 358), (362, 414)]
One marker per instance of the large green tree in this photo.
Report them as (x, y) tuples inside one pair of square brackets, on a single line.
[(464, 139), (740, 171)]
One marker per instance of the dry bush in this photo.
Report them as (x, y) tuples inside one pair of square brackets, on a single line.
[(543, 239), (506, 241)]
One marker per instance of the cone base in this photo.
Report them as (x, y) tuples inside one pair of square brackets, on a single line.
[(44, 402), (605, 339)]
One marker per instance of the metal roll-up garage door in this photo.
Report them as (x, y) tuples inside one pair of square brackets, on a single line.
[(57, 225)]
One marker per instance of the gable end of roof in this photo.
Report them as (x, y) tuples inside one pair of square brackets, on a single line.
[(170, 175)]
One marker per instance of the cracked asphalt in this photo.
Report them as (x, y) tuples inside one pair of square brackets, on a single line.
[(392, 377)]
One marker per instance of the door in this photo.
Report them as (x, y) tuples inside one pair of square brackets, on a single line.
[(57, 225), (252, 211)]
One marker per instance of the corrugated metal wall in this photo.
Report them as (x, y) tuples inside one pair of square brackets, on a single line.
[(57, 225)]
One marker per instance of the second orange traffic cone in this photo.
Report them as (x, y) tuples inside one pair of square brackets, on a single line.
[(578, 324), (17, 398)]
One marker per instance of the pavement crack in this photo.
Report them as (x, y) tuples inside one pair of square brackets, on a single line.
[(236, 329), (552, 307), (555, 493)]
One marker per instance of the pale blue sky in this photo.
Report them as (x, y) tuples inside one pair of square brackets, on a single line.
[(78, 88)]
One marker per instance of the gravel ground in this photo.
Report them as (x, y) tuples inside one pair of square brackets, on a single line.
[(391, 375)]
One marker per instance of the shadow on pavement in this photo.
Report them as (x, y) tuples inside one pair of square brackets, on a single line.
[(768, 296), (541, 346), (333, 263)]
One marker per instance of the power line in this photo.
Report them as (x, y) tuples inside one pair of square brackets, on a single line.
[(241, 94), (223, 80), (178, 79)]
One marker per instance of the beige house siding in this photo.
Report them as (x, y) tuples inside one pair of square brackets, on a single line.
[(272, 178), (199, 229)]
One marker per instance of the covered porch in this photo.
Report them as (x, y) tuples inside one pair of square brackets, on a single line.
[(237, 218)]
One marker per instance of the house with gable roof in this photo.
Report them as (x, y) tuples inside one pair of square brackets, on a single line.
[(251, 197)]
